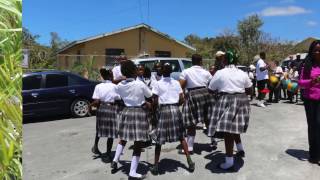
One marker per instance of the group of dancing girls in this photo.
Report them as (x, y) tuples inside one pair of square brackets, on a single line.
[(132, 109)]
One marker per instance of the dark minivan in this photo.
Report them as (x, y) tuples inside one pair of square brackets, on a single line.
[(56, 93)]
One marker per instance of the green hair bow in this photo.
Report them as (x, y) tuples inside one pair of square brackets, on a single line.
[(231, 56)]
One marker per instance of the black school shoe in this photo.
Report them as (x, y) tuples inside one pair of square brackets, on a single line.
[(314, 161), (192, 166), (154, 169), (114, 166), (95, 150), (241, 154)]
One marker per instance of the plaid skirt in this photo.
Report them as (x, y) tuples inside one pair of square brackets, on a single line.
[(230, 114), (133, 124), (107, 121), (170, 126), (195, 109)]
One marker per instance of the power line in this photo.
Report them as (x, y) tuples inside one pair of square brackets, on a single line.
[(140, 9), (148, 15)]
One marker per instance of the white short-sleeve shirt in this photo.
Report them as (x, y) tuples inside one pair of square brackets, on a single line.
[(261, 75), (168, 90), (230, 80), (116, 71), (133, 92), (195, 76), (105, 92)]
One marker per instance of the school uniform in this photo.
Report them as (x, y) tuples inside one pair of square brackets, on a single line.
[(231, 111), (107, 123), (134, 118), (116, 71), (169, 127), (198, 98)]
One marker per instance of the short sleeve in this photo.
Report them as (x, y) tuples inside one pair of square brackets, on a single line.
[(261, 64), (155, 89), (178, 87), (183, 75), (96, 93), (214, 83), (247, 81), (146, 91)]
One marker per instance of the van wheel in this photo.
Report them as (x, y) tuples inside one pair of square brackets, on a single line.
[(80, 108)]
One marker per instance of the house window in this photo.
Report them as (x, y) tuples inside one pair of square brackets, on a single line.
[(111, 55), (162, 53)]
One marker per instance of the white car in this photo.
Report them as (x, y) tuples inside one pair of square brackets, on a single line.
[(178, 64)]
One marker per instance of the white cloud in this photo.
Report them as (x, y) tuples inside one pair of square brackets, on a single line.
[(312, 23), (284, 11)]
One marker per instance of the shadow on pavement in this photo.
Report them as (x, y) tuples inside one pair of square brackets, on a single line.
[(27, 120), (217, 158), (170, 165), (301, 155), (143, 167)]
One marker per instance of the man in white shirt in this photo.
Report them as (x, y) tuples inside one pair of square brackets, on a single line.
[(262, 78), (195, 79), (117, 75)]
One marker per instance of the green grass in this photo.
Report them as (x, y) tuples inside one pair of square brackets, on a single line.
[(10, 89)]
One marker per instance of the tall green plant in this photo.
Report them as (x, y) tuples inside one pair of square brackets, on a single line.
[(10, 89)]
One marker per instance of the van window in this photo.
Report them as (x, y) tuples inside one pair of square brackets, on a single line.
[(186, 64), (149, 64), (174, 64)]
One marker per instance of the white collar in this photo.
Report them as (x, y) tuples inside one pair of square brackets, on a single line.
[(106, 81)]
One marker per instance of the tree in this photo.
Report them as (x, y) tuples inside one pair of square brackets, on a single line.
[(249, 31), (37, 53)]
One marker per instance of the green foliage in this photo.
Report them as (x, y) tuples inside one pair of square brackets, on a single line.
[(86, 68), (41, 56), (250, 33), (10, 89)]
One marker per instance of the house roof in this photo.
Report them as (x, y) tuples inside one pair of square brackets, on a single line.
[(124, 30)]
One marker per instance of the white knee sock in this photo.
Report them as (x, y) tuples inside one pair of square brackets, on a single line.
[(239, 147), (134, 166), (118, 152), (190, 142), (228, 163)]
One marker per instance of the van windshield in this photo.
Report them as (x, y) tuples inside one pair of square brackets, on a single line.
[(186, 64), (174, 64), (149, 64)]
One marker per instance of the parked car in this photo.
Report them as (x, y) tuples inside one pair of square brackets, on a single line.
[(243, 68), (178, 64), (56, 93)]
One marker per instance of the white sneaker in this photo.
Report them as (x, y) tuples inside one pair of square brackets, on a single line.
[(261, 104)]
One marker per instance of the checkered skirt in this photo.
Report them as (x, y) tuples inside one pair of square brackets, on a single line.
[(170, 126), (195, 109), (133, 124), (230, 114), (107, 121)]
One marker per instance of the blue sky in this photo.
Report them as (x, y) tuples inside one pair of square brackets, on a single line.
[(77, 19)]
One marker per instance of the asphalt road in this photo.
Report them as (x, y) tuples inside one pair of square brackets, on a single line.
[(275, 144)]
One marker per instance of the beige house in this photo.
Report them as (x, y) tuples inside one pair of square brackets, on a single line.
[(133, 42)]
